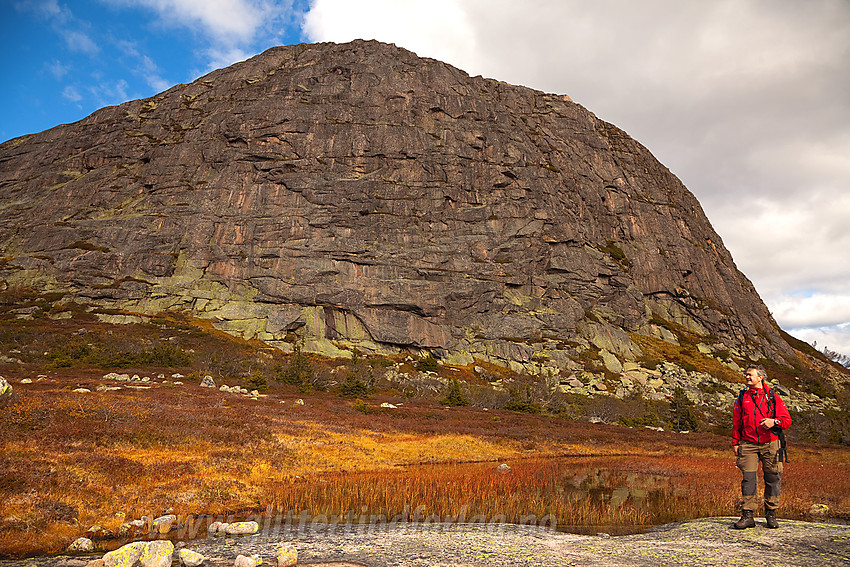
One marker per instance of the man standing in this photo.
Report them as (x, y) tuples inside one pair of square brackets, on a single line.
[(756, 420)]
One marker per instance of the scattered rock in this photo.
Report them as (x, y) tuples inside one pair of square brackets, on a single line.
[(157, 554), (388, 405), (819, 510), (98, 532), (299, 402), (207, 382), (82, 390), (163, 524), (249, 561), (26, 381), (217, 528), (126, 556), (132, 527), (82, 544), (190, 558), (504, 468), (177, 375), (5, 388), (242, 528), (287, 556)]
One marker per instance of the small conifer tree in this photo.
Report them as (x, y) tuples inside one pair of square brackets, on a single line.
[(454, 397)]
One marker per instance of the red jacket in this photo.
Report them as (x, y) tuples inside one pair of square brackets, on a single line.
[(746, 419)]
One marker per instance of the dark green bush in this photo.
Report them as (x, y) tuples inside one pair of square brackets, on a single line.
[(682, 416), (354, 387), (298, 372), (427, 364), (361, 406), (454, 397), (257, 381)]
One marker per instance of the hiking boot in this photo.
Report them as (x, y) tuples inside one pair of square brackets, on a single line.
[(770, 516), (746, 521)]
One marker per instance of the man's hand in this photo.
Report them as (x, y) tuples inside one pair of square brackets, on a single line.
[(735, 448), (765, 420)]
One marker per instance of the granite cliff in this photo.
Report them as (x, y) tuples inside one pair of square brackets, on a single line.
[(357, 195)]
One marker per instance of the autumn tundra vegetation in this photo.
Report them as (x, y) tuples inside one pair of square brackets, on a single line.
[(337, 438)]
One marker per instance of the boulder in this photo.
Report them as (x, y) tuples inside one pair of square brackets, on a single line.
[(98, 532), (82, 544), (287, 556), (611, 362), (5, 389), (242, 528), (208, 382), (26, 381), (819, 510), (81, 390), (157, 554), (217, 528), (190, 558), (164, 524), (126, 556), (504, 468), (131, 528), (248, 561)]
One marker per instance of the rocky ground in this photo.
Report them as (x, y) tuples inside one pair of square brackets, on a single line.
[(709, 541)]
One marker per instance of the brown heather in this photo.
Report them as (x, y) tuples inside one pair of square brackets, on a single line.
[(202, 451)]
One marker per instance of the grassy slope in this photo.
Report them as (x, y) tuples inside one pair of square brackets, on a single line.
[(71, 460)]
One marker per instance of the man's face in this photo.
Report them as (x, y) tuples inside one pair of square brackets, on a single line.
[(753, 379)]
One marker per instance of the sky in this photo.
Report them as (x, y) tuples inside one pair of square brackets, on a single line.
[(747, 101)]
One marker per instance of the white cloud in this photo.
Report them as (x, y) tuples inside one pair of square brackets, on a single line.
[(219, 57), (79, 41), (813, 309), (110, 92), (435, 28), (835, 337), (72, 94), (64, 23), (150, 72), (228, 21), (57, 69)]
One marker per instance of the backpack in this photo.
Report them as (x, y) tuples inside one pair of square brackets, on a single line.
[(776, 430)]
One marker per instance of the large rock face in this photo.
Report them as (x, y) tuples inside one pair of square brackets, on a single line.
[(359, 195)]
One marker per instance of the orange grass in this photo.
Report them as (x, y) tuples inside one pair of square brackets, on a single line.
[(71, 460)]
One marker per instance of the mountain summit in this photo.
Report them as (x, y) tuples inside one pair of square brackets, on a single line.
[(357, 195)]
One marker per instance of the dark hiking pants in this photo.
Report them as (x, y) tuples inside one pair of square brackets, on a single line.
[(749, 455)]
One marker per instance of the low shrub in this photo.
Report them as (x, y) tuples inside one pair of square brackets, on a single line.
[(298, 372), (454, 397), (354, 387), (427, 364), (257, 381)]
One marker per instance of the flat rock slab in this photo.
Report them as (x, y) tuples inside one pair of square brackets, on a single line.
[(704, 542)]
